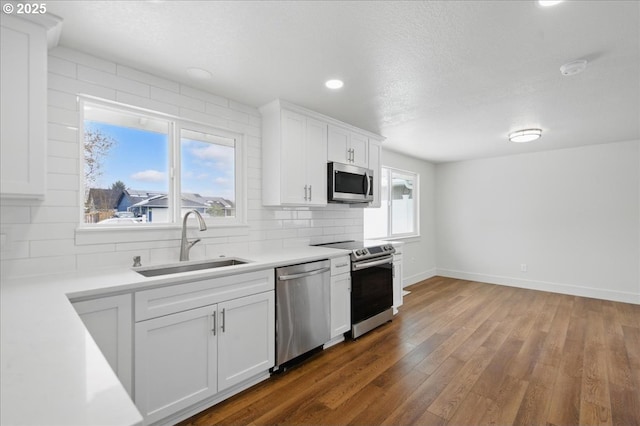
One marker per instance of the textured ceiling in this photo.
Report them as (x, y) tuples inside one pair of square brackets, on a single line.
[(442, 80)]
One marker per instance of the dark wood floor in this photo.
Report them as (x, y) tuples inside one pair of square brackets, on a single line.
[(464, 353)]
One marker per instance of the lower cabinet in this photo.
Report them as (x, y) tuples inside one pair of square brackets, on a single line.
[(340, 304), (109, 320), (397, 279), (186, 357), (340, 296)]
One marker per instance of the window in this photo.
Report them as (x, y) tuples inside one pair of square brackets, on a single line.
[(397, 215), (142, 168)]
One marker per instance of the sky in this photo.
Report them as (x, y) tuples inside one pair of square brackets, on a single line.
[(140, 159)]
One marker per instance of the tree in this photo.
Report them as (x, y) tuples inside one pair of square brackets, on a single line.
[(119, 185), (96, 147)]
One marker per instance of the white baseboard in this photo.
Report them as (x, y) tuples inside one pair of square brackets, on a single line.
[(416, 278), (574, 290)]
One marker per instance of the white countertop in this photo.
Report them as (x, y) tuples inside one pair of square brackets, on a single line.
[(52, 372)]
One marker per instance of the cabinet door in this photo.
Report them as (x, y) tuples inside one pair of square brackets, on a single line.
[(23, 84), (375, 159), (176, 362), (340, 304), (316, 141), (293, 171), (109, 320), (246, 339), (397, 283), (338, 145), (359, 150)]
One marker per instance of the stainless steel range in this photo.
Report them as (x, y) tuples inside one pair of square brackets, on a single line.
[(371, 283)]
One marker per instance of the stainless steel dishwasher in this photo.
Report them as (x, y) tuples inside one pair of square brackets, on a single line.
[(303, 308)]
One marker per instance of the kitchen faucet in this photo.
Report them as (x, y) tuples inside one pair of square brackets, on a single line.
[(186, 245)]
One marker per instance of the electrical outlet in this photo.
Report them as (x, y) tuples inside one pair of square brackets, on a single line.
[(523, 267)]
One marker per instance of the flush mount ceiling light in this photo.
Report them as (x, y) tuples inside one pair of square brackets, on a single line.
[(198, 74), (573, 68), (547, 3), (526, 135), (334, 84)]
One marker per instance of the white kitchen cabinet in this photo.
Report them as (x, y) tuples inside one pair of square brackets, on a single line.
[(176, 362), (397, 277), (348, 147), (246, 343), (23, 84), (340, 296), (294, 152), (109, 320), (186, 353), (375, 163)]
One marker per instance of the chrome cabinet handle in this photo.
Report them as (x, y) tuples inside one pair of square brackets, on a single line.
[(215, 322), (224, 321), (305, 193), (310, 193)]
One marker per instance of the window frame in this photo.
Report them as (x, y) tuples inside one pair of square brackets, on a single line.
[(416, 207), (175, 126)]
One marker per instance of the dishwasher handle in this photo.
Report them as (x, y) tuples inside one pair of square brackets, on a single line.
[(303, 274)]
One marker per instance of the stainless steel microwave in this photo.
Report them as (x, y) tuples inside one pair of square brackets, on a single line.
[(349, 184)]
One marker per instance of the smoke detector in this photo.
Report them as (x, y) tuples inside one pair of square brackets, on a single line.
[(573, 68)]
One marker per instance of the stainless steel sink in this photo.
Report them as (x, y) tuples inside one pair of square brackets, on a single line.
[(154, 271)]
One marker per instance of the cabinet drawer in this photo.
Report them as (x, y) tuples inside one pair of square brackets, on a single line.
[(340, 265), (181, 297)]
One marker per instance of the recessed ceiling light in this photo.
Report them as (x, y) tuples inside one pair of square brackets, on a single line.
[(198, 74), (573, 68), (526, 135), (334, 84), (547, 3)]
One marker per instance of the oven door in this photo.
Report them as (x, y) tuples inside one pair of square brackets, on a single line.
[(371, 288)]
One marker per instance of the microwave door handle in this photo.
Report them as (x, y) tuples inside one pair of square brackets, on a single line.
[(366, 178)]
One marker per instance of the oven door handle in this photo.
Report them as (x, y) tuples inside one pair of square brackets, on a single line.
[(364, 265), (303, 274)]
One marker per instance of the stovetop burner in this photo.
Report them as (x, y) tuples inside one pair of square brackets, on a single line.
[(362, 250)]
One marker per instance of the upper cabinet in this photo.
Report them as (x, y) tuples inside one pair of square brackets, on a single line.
[(298, 143), (375, 163), (294, 158), (23, 75), (348, 147)]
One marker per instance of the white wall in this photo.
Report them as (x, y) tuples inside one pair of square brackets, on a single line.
[(572, 216), (419, 254), (40, 237)]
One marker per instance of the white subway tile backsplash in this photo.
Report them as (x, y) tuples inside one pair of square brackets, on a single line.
[(82, 58), (56, 181), (62, 165), (59, 132), (45, 237), (236, 106), (65, 117), (107, 79), (40, 231), (62, 198), (143, 77), (15, 214), (46, 214), (144, 102), (62, 67), (62, 149), (203, 118), (174, 98), (205, 96), (62, 100)]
